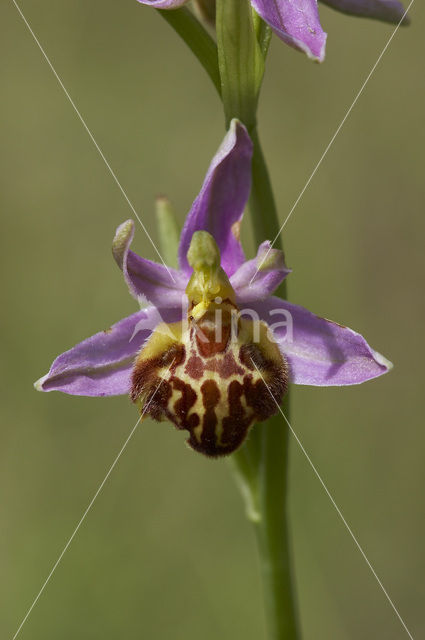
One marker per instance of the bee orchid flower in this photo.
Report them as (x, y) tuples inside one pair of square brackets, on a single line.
[(214, 351), (297, 22)]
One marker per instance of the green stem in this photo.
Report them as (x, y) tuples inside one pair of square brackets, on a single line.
[(270, 444), (261, 465), (197, 39), (262, 203), (272, 530)]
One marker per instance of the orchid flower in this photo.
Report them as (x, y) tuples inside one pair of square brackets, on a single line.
[(169, 356), (297, 22)]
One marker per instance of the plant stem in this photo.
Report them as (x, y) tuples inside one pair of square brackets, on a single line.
[(262, 205), (270, 443), (261, 465)]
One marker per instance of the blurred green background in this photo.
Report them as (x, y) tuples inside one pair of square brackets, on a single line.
[(166, 552)]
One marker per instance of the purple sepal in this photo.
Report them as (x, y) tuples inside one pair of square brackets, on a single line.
[(320, 352), (101, 365), (385, 10), (219, 206)]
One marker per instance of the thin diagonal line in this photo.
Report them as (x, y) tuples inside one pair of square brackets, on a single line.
[(111, 171), (341, 124), (336, 506), (88, 509)]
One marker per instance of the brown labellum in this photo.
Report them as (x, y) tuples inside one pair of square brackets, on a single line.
[(211, 378)]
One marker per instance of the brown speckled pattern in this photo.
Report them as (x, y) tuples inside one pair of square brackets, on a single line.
[(212, 388)]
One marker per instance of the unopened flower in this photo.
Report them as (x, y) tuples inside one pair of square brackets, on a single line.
[(214, 351), (297, 22)]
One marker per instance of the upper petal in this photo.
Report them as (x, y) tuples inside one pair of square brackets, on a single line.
[(161, 285), (297, 23), (386, 10), (219, 206), (163, 4), (257, 279), (101, 365), (320, 352)]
